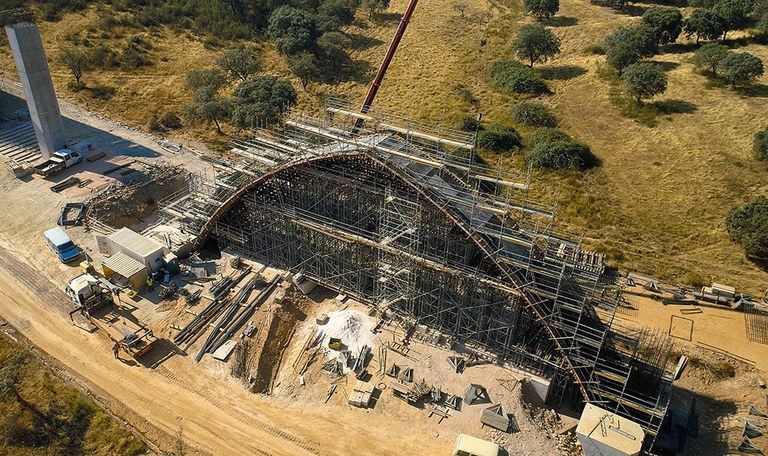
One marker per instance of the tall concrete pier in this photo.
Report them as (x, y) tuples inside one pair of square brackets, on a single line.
[(27, 48)]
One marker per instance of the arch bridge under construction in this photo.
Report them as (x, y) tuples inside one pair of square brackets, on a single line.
[(407, 219)]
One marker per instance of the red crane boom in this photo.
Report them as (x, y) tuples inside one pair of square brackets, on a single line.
[(385, 64)]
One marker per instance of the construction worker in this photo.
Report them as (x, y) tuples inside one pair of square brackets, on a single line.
[(116, 350), (150, 283)]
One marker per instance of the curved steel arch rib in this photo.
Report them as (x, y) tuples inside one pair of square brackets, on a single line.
[(433, 199)]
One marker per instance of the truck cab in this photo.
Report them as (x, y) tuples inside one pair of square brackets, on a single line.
[(60, 244)]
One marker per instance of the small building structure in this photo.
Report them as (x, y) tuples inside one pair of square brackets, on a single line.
[(141, 248), (124, 270), (602, 433)]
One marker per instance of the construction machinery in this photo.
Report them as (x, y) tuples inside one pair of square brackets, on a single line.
[(93, 297)]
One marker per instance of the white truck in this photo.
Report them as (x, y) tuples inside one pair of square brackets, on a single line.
[(93, 298), (60, 160)]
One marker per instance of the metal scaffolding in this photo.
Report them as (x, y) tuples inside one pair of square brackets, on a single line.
[(404, 217)]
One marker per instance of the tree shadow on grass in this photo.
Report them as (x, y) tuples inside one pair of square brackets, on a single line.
[(561, 21), (674, 107), (681, 48), (561, 72), (632, 10), (666, 66), (362, 42), (387, 17), (756, 90)]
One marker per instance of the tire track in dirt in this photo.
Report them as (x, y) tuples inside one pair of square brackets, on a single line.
[(244, 418), (51, 296)]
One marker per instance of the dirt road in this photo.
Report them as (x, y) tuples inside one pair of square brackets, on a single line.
[(214, 416)]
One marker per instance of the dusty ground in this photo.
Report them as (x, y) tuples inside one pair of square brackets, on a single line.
[(724, 380)]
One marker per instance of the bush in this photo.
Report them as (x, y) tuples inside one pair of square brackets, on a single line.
[(470, 123), (499, 138), (170, 120), (533, 115), (747, 227), (514, 77), (760, 144), (595, 49), (551, 148), (546, 135), (562, 155)]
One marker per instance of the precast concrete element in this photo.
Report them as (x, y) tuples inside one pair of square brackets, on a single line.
[(27, 48)]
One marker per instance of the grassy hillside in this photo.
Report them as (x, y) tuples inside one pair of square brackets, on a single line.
[(41, 414), (656, 205)]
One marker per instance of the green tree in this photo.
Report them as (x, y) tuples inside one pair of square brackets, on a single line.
[(333, 14), (333, 45), (76, 60), (704, 24), (536, 43), (628, 45), (261, 101), (210, 78), (239, 63), (740, 67), (760, 144), (293, 30), (746, 227), (733, 13), (460, 7), (710, 55), (304, 66), (541, 9), (666, 23), (644, 80), (374, 6), (208, 107)]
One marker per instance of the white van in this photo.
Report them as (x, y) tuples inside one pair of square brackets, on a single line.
[(58, 241)]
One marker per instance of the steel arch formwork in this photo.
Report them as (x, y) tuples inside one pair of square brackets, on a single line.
[(404, 218)]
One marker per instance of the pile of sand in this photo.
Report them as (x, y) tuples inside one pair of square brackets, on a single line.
[(351, 326)]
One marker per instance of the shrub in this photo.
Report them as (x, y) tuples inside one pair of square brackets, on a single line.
[(595, 49), (170, 120), (747, 227), (499, 138), (546, 135), (760, 144), (533, 114), (470, 123), (562, 155), (512, 76), (551, 148)]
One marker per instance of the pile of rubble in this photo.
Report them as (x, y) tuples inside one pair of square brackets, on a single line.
[(135, 197)]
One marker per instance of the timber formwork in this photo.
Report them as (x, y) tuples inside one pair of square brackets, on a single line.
[(404, 217)]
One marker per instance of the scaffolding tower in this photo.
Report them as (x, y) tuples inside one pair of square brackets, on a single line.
[(404, 217)]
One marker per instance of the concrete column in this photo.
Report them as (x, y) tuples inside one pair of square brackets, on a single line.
[(27, 48)]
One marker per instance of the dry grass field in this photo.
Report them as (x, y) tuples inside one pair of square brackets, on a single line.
[(656, 205)]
